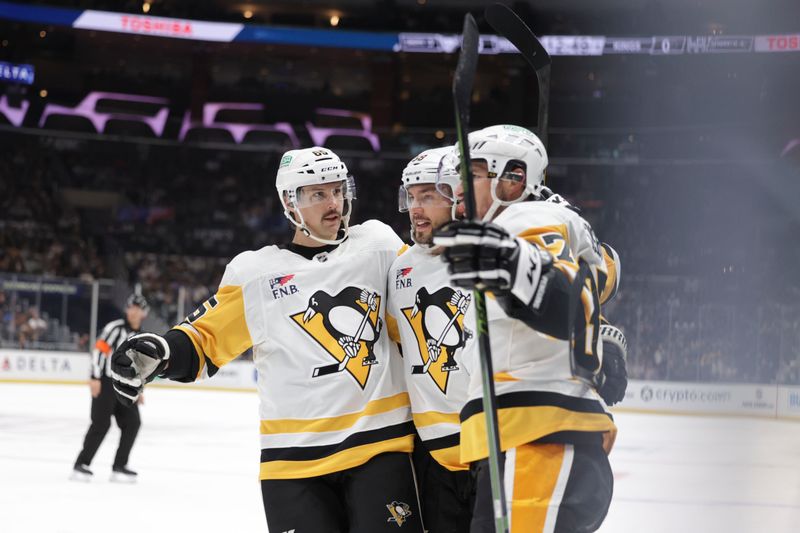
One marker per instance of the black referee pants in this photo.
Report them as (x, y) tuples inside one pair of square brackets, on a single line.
[(103, 408)]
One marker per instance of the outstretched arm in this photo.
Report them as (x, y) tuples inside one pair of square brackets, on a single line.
[(213, 335)]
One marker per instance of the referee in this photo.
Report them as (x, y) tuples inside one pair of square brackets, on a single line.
[(105, 404)]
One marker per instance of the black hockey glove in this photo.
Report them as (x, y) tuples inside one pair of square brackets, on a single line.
[(137, 361), (615, 374), (483, 255)]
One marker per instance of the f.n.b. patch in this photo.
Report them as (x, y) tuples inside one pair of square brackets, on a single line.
[(281, 286), (402, 279)]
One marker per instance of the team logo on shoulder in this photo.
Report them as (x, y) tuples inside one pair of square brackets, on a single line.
[(437, 320), (281, 287), (402, 279), (400, 512), (346, 325)]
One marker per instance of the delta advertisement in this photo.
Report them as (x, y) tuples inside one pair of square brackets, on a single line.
[(37, 366), (760, 400)]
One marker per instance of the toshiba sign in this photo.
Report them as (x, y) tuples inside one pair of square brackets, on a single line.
[(778, 43), (150, 26), (157, 26)]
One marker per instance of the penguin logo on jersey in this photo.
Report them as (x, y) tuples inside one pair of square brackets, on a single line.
[(437, 320), (400, 512), (347, 326)]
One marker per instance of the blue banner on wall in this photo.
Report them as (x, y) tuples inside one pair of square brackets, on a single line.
[(17, 73), (556, 45)]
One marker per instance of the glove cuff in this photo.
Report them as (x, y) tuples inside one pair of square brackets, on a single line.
[(149, 367), (161, 343), (527, 274), (613, 335)]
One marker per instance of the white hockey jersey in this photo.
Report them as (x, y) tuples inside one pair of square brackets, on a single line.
[(430, 319), (538, 397), (331, 395)]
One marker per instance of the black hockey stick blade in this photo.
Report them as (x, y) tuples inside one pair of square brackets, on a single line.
[(325, 370), (418, 369), (508, 24), (463, 81)]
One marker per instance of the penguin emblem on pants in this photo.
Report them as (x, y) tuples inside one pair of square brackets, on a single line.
[(399, 511), (346, 325), (437, 320)]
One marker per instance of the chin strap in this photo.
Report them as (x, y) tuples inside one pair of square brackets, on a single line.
[(344, 228), (497, 203)]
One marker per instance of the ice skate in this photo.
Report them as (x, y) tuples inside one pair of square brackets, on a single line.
[(81, 473), (122, 474)]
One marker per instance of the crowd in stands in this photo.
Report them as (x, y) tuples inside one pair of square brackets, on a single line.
[(677, 331), (687, 304), (166, 279), (24, 325), (39, 233)]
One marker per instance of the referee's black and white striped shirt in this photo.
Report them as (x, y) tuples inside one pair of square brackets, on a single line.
[(115, 333)]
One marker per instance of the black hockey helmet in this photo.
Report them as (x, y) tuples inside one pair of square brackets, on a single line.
[(138, 300)]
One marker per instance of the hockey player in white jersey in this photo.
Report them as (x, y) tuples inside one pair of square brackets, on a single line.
[(613, 380), (336, 430), (429, 313), (554, 427)]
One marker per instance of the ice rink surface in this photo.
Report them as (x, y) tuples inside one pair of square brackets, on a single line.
[(197, 455)]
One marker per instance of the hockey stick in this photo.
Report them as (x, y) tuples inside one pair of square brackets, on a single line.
[(508, 24), (338, 367), (462, 96)]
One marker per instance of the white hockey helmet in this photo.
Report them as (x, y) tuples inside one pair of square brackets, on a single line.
[(504, 148), (431, 167), (313, 166)]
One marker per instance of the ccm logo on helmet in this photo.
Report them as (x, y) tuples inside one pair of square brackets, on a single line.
[(328, 169)]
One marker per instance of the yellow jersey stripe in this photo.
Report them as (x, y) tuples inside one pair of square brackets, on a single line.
[(450, 458), (333, 423), (429, 418), (349, 458), (521, 425)]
